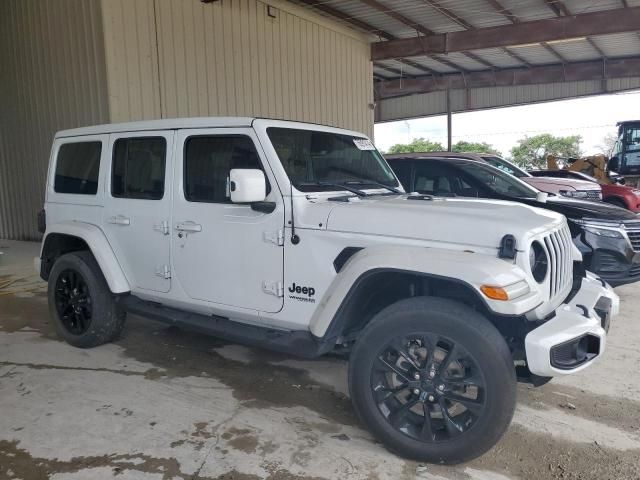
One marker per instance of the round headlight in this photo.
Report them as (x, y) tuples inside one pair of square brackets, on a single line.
[(538, 261)]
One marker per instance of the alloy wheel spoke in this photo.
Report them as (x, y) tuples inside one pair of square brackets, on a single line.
[(452, 427), (386, 366), (384, 393), (399, 347), (475, 406), (427, 429), (449, 357), (401, 412)]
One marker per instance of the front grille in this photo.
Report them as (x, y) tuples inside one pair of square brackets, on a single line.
[(558, 245), (633, 232), (594, 195)]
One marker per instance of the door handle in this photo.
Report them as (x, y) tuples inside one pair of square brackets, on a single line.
[(119, 220), (189, 227)]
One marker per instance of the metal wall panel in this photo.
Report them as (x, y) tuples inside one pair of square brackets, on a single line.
[(132, 59), (232, 58), (52, 76), (430, 104)]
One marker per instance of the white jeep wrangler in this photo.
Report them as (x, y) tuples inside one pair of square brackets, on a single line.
[(298, 238)]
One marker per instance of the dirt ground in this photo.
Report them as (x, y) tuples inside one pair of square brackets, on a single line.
[(163, 403)]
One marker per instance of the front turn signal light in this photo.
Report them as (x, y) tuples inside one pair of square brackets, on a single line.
[(495, 293)]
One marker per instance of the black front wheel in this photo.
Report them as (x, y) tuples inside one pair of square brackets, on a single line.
[(433, 380), (83, 309)]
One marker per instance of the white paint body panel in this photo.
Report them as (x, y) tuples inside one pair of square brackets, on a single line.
[(230, 260), (569, 323)]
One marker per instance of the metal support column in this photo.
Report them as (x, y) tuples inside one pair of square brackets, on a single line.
[(448, 120)]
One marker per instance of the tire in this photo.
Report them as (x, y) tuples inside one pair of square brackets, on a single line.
[(81, 305), (480, 357), (616, 201)]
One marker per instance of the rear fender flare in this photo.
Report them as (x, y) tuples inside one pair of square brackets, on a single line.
[(97, 242)]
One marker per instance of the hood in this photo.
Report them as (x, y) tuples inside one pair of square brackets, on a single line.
[(459, 221), (556, 184), (573, 208)]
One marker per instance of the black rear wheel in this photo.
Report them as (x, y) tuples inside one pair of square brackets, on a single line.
[(83, 309), (433, 380)]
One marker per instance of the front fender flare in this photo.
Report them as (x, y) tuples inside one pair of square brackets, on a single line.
[(95, 238), (469, 268)]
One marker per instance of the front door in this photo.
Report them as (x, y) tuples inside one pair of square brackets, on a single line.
[(137, 213), (225, 253)]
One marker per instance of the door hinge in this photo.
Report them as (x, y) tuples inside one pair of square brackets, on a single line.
[(162, 227), (276, 237), (275, 288), (163, 271)]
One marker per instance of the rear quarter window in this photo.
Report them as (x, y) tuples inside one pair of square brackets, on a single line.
[(77, 168)]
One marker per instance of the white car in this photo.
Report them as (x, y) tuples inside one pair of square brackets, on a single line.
[(299, 238)]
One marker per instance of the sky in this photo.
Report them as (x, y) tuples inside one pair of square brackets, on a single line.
[(590, 117)]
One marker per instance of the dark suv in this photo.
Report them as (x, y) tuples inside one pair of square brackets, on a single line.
[(607, 236)]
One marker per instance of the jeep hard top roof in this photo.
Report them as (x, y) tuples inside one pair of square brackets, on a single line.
[(191, 122)]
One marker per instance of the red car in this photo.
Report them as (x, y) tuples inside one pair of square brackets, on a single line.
[(616, 194)]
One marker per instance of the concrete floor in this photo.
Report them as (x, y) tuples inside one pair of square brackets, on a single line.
[(162, 403)]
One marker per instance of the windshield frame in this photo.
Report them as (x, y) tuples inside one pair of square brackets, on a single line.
[(321, 185)]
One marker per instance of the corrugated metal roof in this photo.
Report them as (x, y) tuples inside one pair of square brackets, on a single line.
[(618, 45), (576, 51), (498, 57), (535, 54), (425, 15), (527, 10), (581, 6)]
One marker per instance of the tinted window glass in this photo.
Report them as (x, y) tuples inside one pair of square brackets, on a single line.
[(208, 161), (402, 170), (498, 181), (311, 158), (505, 166), (440, 180), (138, 168), (77, 168)]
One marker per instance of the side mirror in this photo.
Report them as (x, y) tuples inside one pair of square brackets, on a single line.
[(247, 185), (542, 197), (613, 164)]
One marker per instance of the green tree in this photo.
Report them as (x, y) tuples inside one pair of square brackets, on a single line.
[(531, 152), (476, 147), (417, 145)]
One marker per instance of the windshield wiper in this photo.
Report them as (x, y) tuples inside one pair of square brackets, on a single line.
[(340, 186), (372, 182)]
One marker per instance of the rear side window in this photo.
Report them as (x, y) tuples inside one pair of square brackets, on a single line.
[(208, 161), (77, 168), (138, 168)]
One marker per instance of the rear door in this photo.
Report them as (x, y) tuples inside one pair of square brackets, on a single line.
[(137, 211)]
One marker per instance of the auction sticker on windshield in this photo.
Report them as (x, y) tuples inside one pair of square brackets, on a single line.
[(363, 144)]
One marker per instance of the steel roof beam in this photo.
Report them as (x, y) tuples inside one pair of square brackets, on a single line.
[(568, 72), (523, 33)]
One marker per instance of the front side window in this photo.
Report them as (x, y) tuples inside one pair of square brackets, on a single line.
[(313, 158), (138, 168), (498, 181), (208, 161), (440, 180), (77, 168), (632, 139)]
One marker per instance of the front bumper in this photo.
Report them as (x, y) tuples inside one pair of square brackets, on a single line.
[(576, 335), (612, 259)]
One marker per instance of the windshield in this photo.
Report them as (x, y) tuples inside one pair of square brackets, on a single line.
[(499, 181), (505, 166), (321, 161)]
